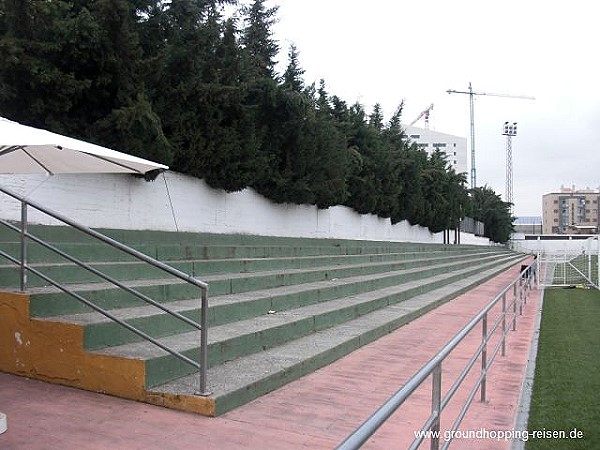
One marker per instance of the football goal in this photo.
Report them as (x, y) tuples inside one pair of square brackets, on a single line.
[(570, 268)]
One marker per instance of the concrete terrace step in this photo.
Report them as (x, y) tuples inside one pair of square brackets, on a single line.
[(100, 331), (237, 339), (51, 301), (99, 252), (239, 381), (177, 245), (66, 272), (278, 307), (95, 251), (67, 235)]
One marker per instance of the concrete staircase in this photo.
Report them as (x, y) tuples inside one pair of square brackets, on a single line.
[(279, 308)]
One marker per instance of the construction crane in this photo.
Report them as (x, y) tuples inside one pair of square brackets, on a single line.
[(425, 114), (472, 114)]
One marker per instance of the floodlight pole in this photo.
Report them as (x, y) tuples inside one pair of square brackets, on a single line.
[(471, 94), (509, 130)]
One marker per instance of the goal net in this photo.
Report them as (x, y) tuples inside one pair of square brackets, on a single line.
[(568, 268)]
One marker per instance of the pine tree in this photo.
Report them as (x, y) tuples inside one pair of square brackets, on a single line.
[(125, 117), (160, 79), (376, 117), (198, 96), (75, 68), (364, 144), (45, 47), (292, 77), (331, 166), (488, 207), (260, 48)]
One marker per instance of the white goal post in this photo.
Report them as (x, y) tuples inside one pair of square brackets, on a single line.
[(571, 267)]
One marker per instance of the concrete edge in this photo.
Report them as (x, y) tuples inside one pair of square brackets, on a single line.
[(523, 409)]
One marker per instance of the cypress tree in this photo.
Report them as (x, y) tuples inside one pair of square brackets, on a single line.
[(160, 79), (126, 118), (488, 207), (45, 48), (292, 77), (260, 48), (75, 68), (363, 144)]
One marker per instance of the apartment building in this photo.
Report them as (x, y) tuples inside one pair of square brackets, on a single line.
[(571, 211), (454, 147)]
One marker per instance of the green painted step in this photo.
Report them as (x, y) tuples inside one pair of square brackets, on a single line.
[(48, 302), (244, 379), (122, 271), (255, 335), (101, 332), (94, 251), (65, 234)]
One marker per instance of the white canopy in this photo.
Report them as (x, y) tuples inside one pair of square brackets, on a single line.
[(25, 149)]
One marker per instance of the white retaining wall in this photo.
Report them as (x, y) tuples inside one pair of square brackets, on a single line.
[(590, 244), (175, 202)]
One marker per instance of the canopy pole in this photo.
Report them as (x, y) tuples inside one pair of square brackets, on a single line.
[(23, 271), (170, 202)]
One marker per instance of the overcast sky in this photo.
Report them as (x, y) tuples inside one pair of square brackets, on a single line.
[(384, 51)]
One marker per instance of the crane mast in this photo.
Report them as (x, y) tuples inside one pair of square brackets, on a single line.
[(472, 94)]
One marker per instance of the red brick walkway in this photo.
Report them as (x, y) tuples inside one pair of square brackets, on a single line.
[(315, 412)]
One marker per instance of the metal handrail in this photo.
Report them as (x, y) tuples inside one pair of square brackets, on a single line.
[(433, 367), (25, 267)]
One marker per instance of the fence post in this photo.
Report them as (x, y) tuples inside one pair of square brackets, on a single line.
[(521, 302), (504, 324), (537, 270), (203, 341), (589, 261), (564, 266), (598, 263), (436, 405), (484, 356), (514, 328), (23, 272)]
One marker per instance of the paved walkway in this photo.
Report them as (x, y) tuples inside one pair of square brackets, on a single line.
[(314, 412)]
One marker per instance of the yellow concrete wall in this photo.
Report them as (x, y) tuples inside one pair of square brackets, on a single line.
[(54, 352)]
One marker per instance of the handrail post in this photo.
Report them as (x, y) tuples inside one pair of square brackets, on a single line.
[(504, 324), (203, 341), (514, 327), (484, 338), (23, 271), (521, 302), (436, 405)]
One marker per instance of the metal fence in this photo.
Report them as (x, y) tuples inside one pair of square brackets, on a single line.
[(25, 268), (469, 225), (508, 305)]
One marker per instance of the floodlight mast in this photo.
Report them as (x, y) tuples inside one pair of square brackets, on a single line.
[(509, 130), (471, 94)]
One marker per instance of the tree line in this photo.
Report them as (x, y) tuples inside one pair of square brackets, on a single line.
[(185, 84)]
